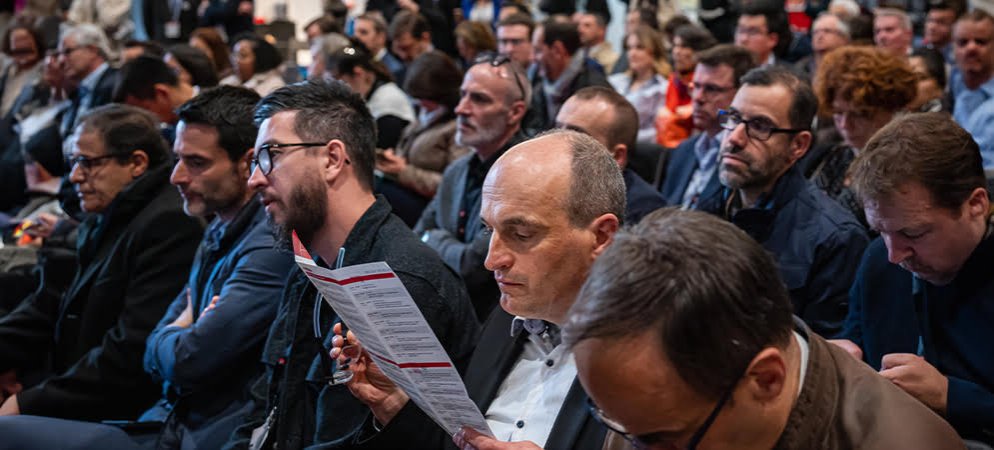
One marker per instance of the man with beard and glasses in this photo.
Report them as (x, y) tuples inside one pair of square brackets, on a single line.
[(315, 154), (921, 306), (495, 97), (816, 242)]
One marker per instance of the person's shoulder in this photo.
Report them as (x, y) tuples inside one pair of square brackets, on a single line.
[(827, 212), (864, 394)]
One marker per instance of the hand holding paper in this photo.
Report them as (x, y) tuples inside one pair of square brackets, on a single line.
[(368, 384)]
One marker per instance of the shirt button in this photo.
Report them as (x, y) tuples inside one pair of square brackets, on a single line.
[(520, 424), (550, 362), (462, 213), (462, 230)]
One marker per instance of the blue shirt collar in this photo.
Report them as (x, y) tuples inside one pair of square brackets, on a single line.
[(90, 82)]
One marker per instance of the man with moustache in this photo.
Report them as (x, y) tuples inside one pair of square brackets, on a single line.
[(816, 242), (972, 85), (551, 205), (495, 97), (134, 249), (314, 161), (216, 322)]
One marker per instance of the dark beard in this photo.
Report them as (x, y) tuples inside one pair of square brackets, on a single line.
[(306, 213)]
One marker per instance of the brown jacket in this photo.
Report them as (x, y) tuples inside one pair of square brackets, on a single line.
[(845, 404), (429, 150)]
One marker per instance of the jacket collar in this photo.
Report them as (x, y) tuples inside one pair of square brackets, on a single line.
[(810, 418), (757, 220), (132, 199), (246, 218), (363, 235)]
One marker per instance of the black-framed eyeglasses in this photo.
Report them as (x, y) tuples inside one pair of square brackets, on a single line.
[(265, 153), (643, 441), (497, 60), (86, 164), (758, 128)]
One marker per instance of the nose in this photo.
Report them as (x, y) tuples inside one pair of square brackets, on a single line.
[(76, 174), (737, 136), (462, 108), (897, 249), (257, 181), (180, 175), (498, 258)]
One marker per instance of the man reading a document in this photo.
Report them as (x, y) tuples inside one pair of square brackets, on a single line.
[(551, 205), (313, 169)]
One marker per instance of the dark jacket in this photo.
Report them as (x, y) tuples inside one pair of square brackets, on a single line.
[(680, 169), (103, 93), (815, 241), (889, 309), (495, 356), (640, 198), (843, 404), (538, 118), (242, 267), (133, 260), (307, 410), (225, 13), (451, 223)]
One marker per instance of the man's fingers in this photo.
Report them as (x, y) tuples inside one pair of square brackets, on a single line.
[(898, 359), (337, 329)]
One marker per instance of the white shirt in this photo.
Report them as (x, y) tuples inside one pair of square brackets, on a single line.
[(529, 399)]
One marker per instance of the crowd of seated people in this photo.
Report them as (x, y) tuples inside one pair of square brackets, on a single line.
[(752, 226)]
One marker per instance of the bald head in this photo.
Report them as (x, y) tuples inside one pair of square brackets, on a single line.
[(553, 204), (571, 169)]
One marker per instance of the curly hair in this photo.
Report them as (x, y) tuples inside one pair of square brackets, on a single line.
[(866, 77)]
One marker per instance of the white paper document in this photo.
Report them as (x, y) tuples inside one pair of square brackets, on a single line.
[(376, 307)]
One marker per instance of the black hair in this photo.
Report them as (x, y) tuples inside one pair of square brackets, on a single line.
[(267, 57), (328, 110), (139, 76), (202, 70), (230, 110)]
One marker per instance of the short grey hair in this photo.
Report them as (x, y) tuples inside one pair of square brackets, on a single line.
[(89, 35), (842, 24), (894, 12), (850, 6), (596, 186), (328, 44)]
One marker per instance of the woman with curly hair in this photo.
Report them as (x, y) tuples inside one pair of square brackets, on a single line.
[(862, 88)]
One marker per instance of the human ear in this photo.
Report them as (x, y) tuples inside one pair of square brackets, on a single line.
[(766, 376)]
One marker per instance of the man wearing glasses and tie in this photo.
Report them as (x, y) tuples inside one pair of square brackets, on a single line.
[(817, 243)]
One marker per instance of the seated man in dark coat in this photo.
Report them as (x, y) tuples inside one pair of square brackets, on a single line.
[(922, 305), (134, 251), (315, 154), (710, 356), (216, 324), (551, 206), (816, 242)]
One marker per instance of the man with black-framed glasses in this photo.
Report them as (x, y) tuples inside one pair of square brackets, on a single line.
[(817, 243), (691, 169), (313, 172), (711, 357)]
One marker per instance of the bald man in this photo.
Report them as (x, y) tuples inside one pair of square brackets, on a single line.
[(551, 205)]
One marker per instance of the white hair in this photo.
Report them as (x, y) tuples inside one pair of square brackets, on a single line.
[(849, 7), (894, 12), (841, 25), (89, 35)]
